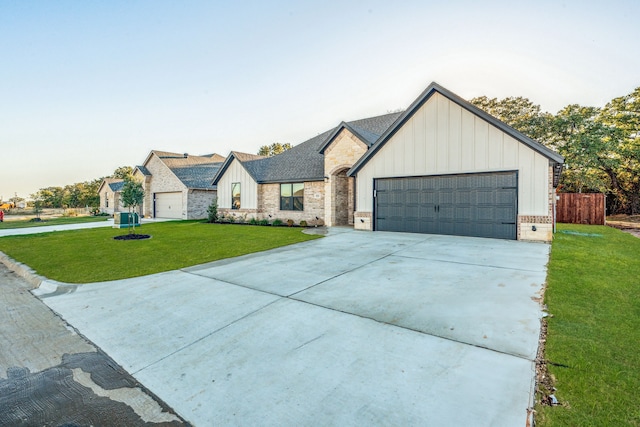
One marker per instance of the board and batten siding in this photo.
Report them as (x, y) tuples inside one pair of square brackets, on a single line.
[(444, 138), (248, 187)]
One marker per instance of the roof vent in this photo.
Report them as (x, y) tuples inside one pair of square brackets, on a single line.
[(186, 155)]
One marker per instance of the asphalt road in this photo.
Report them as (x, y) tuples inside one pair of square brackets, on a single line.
[(51, 376)]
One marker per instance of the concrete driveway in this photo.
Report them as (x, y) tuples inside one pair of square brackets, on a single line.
[(358, 328)]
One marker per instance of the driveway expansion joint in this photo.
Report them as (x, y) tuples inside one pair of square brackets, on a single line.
[(203, 338)]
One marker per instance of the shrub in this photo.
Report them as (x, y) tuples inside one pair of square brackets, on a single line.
[(263, 222), (290, 222), (253, 221), (231, 218), (277, 222), (303, 223), (212, 212)]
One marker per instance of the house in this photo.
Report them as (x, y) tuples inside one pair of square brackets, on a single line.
[(109, 192), (443, 166), (177, 185), (307, 182)]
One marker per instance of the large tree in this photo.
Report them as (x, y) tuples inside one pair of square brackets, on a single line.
[(50, 197), (519, 113), (123, 172), (622, 117), (581, 140), (273, 149), (601, 146)]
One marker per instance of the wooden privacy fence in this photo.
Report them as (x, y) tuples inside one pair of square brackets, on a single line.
[(581, 208)]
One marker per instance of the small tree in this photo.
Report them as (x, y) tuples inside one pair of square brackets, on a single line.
[(37, 208), (132, 196), (212, 211)]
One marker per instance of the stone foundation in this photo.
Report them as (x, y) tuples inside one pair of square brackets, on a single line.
[(363, 221), (537, 228)]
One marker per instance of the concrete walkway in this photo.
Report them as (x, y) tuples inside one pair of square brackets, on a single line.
[(357, 328), (65, 227)]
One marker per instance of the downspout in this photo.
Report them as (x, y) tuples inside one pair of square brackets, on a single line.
[(555, 200)]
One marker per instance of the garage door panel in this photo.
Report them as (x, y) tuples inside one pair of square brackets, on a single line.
[(428, 197), (168, 205), (464, 213), (482, 204)]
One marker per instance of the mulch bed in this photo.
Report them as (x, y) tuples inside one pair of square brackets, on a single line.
[(132, 237), (544, 380)]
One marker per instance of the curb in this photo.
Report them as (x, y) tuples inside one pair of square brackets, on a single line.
[(22, 270), (41, 286)]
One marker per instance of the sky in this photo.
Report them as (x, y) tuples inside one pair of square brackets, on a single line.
[(86, 87)]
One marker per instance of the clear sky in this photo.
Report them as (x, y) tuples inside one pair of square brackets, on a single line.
[(87, 86)]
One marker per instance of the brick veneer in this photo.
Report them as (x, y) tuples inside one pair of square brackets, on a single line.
[(269, 204), (198, 201), (339, 156)]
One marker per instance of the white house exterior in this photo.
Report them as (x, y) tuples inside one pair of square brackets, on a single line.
[(443, 166), (423, 169)]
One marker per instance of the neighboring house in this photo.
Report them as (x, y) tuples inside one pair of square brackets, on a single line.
[(443, 166), (109, 192), (177, 185)]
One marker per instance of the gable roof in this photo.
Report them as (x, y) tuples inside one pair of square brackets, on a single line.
[(235, 155), (423, 98), (143, 170), (305, 161), (194, 172), (114, 184)]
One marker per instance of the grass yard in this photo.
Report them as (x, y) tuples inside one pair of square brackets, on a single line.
[(593, 338), (25, 223), (92, 255)]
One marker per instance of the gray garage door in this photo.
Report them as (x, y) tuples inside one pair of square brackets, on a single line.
[(479, 204), (168, 205)]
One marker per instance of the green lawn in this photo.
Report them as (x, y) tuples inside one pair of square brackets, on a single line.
[(92, 255), (593, 341), (9, 223)]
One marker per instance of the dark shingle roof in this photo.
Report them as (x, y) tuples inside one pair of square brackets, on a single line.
[(143, 170), (116, 186), (195, 172), (197, 176), (305, 161)]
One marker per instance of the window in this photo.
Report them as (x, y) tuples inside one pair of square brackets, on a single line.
[(292, 197), (235, 195), (106, 200)]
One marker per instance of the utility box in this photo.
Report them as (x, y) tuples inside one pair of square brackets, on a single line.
[(125, 219)]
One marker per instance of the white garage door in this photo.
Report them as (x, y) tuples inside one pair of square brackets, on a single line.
[(168, 205)]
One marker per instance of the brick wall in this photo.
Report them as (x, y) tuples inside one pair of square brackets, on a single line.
[(147, 202), (339, 156), (269, 204), (198, 201), (162, 180)]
